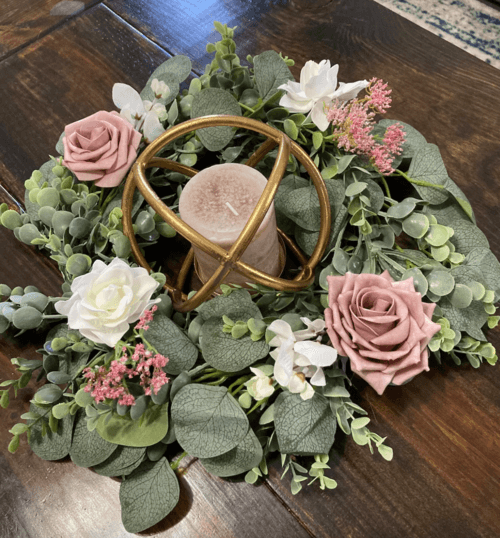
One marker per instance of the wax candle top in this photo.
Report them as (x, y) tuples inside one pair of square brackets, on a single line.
[(218, 201)]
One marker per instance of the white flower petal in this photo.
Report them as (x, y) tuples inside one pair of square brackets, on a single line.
[(318, 113), (295, 105), (345, 92), (123, 95), (308, 393), (152, 128), (318, 378), (297, 384), (318, 354), (282, 330)]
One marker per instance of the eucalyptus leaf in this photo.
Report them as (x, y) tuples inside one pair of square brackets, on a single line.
[(171, 341), (148, 495), (469, 320), (52, 446), (122, 430), (226, 353), (215, 101), (427, 165), (246, 455), (440, 282), (122, 461), (207, 420), (88, 447), (271, 72), (238, 303), (304, 427)]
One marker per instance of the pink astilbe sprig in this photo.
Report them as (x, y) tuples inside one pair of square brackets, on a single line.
[(353, 122), (109, 382), (146, 317)]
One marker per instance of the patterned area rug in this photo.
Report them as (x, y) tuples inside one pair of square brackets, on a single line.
[(468, 24)]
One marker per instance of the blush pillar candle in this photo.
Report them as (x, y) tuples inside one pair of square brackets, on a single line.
[(217, 202)]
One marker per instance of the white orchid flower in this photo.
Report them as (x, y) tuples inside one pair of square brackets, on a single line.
[(316, 90), (144, 116), (160, 88), (298, 359), (260, 386)]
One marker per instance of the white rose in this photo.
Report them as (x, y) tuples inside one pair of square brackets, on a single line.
[(316, 90), (106, 300)]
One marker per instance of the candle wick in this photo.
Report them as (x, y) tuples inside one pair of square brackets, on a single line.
[(232, 209)]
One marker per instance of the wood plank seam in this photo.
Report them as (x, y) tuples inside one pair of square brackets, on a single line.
[(46, 32)]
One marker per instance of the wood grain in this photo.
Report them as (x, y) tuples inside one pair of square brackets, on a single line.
[(64, 77), (444, 480), (24, 21)]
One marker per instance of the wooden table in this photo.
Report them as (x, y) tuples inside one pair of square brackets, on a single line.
[(444, 480)]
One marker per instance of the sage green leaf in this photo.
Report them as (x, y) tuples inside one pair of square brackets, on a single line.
[(440, 282), (88, 447), (437, 235), (215, 101), (122, 462), (461, 199), (355, 188), (427, 165), (307, 240), (413, 139), (226, 353), (122, 430), (271, 72), (403, 209), (304, 427), (238, 303), (302, 206), (419, 280), (148, 495), (484, 261), (208, 421), (461, 297), (138, 199), (469, 320), (376, 195), (171, 341), (52, 446), (246, 455), (416, 225)]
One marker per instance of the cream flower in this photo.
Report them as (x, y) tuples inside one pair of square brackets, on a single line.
[(261, 385), (144, 116), (106, 300), (298, 359), (316, 90)]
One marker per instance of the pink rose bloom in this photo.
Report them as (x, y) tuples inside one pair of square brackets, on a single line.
[(100, 148), (381, 325)]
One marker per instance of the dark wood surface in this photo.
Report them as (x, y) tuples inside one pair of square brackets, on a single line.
[(444, 480)]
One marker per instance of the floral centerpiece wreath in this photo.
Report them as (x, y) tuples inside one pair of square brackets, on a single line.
[(407, 275)]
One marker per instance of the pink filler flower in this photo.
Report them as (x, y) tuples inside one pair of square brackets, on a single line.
[(100, 148), (381, 325)]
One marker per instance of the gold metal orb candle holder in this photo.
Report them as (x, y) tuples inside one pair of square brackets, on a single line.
[(228, 259)]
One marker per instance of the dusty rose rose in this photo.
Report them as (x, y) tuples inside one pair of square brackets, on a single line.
[(100, 148), (381, 325)]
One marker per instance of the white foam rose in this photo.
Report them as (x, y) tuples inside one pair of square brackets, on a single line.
[(107, 300)]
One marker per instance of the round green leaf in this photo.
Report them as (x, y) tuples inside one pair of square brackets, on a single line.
[(208, 421), (440, 254), (27, 317), (437, 235), (461, 296), (11, 219), (402, 210), (416, 225), (146, 432), (36, 300), (246, 455), (58, 378), (48, 394), (440, 283), (419, 280), (148, 495)]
